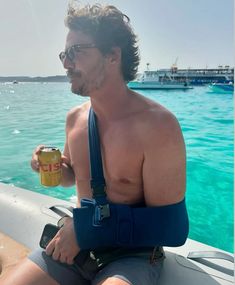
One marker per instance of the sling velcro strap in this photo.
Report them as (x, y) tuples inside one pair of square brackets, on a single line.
[(97, 177), (130, 226)]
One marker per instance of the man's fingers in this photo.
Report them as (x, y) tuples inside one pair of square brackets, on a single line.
[(50, 247), (56, 254), (70, 261), (35, 164), (39, 149), (65, 160)]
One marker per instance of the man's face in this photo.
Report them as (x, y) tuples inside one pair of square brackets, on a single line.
[(84, 63)]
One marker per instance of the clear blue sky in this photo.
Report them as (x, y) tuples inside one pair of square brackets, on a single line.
[(198, 32)]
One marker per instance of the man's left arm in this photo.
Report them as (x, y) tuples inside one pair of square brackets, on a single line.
[(164, 163)]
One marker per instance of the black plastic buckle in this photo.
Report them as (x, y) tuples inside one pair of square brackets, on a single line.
[(101, 212)]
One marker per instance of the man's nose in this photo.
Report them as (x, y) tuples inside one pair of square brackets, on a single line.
[(67, 63)]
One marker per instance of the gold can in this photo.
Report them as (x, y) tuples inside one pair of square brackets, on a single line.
[(50, 166)]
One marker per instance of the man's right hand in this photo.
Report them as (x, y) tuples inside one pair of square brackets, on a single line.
[(34, 161), (68, 177)]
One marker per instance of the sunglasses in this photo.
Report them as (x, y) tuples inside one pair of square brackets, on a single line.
[(71, 52)]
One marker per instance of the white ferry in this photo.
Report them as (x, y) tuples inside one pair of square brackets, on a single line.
[(24, 214), (154, 80), (201, 76)]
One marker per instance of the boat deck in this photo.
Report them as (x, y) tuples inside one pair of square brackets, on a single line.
[(29, 212), (11, 252)]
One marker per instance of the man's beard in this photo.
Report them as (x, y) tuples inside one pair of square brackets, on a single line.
[(87, 84), (73, 73)]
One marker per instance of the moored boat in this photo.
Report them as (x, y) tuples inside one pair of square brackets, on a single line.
[(151, 80), (222, 87), (24, 214)]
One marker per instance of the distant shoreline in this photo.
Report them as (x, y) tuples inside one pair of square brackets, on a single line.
[(57, 78)]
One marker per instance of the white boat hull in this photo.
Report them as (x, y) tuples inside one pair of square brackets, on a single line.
[(24, 214), (158, 85)]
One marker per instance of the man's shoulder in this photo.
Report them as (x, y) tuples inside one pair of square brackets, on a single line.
[(157, 123), (155, 115), (79, 110), (78, 113), (161, 117)]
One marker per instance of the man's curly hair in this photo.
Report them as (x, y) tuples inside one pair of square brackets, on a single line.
[(109, 28)]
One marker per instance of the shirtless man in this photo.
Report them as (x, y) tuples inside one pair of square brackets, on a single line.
[(143, 150)]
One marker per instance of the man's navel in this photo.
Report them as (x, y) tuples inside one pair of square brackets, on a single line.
[(124, 181)]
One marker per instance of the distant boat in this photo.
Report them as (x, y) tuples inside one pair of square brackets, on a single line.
[(152, 80), (222, 87), (200, 76)]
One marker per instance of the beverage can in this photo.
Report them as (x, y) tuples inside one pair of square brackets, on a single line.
[(50, 166)]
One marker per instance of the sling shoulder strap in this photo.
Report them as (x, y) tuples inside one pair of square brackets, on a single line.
[(97, 181)]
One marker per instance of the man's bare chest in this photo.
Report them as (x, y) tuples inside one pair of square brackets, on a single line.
[(122, 154)]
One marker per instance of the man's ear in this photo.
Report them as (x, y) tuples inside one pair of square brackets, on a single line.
[(115, 55)]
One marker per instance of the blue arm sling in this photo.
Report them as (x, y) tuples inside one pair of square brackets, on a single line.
[(99, 223)]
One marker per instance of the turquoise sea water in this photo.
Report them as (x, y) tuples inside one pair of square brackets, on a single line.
[(34, 113)]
